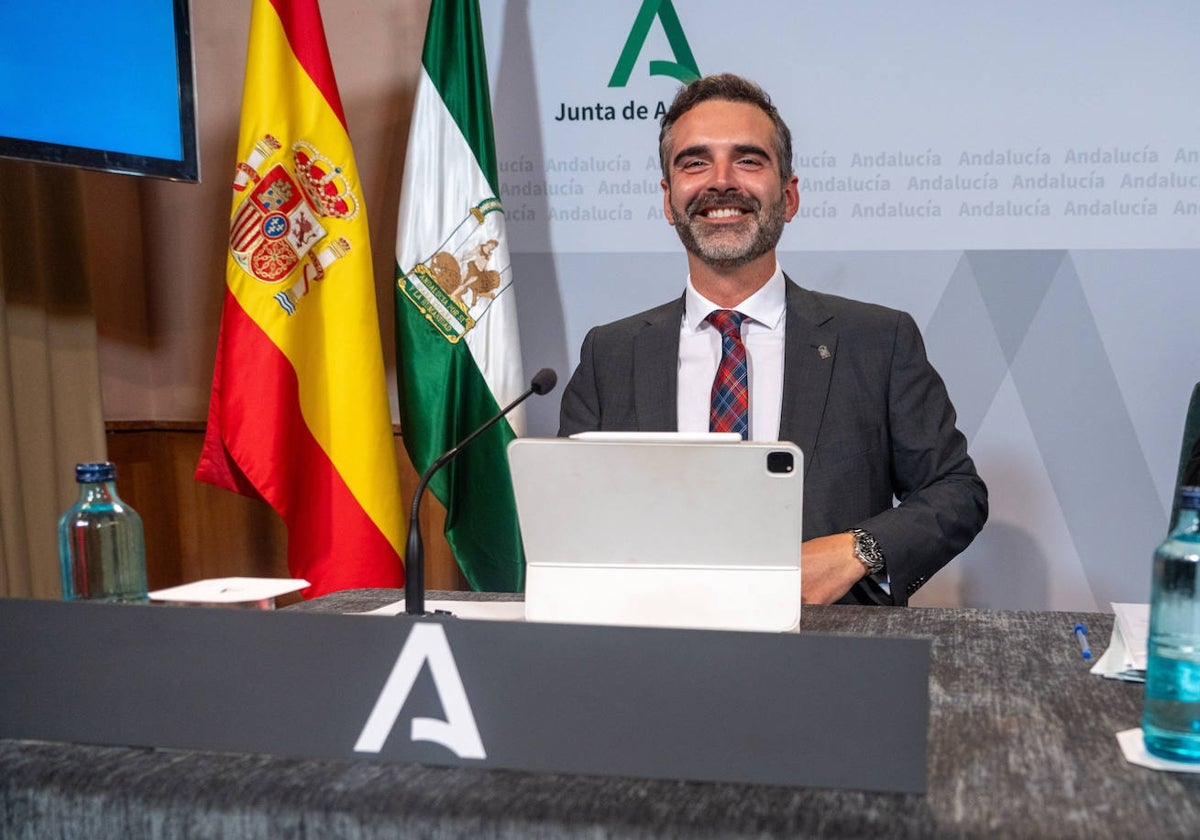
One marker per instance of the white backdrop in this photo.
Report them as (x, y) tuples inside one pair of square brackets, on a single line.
[(1023, 178)]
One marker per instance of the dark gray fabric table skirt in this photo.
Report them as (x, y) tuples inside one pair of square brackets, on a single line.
[(1021, 744)]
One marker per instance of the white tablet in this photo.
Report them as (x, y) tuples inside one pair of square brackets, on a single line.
[(661, 532)]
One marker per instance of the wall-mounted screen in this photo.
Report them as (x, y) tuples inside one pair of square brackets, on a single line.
[(106, 86)]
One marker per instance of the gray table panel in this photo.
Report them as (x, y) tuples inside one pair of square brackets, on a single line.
[(1020, 745)]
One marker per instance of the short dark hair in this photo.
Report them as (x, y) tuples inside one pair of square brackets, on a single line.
[(731, 88)]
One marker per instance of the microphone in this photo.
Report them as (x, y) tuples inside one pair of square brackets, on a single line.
[(543, 382)]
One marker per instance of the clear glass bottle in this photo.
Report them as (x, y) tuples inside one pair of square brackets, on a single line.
[(101, 545), (1171, 713)]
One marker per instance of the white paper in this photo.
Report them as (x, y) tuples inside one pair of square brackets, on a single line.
[(1133, 746), (659, 437), (230, 590), (1121, 660), (1114, 664), (484, 610), (1134, 621)]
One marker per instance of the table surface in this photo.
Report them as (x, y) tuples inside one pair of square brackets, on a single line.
[(1021, 744)]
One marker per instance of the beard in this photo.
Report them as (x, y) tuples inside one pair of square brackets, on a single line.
[(730, 246)]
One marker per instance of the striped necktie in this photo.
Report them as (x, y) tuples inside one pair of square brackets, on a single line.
[(729, 411)]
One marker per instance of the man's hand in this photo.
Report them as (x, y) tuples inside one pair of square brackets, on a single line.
[(828, 568)]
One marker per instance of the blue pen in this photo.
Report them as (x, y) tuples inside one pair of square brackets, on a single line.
[(1081, 635)]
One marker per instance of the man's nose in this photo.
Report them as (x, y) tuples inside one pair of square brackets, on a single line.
[(723, 176)]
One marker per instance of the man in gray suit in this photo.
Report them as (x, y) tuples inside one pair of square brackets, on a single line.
[(847, 382)]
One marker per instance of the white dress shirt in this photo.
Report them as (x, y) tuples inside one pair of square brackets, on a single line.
[(700, 354)]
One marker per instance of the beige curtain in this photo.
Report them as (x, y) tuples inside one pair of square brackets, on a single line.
[(51, 416)]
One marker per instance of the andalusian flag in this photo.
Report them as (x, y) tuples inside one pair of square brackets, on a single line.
[(299, 410), (458, 352)]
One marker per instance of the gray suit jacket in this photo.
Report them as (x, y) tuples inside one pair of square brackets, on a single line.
[(861, 401)]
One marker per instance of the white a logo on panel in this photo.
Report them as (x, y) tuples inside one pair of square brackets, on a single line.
[(458, 732)]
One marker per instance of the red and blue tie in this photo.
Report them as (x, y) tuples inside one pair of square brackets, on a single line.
[(729, 411)]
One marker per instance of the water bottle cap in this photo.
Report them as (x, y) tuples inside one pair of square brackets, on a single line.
[(95, 472), (1189, 498)]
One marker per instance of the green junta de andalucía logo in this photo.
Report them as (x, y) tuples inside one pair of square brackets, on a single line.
[(682, 68)]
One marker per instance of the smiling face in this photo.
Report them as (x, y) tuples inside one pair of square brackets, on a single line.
[(725, 194)]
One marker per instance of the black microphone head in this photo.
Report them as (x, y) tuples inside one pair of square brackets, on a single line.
[(543, 381)]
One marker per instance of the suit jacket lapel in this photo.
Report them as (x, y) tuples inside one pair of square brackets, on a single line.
[(656, 370), (809, 353)]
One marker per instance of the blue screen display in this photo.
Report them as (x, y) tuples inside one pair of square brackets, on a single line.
[(103, 85)]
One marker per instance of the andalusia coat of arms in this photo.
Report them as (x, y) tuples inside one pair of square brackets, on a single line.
[(454, 287)]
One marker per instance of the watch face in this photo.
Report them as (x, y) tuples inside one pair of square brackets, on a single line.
[(867, 551)]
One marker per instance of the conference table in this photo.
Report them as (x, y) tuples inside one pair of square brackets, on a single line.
[(1021, 743)]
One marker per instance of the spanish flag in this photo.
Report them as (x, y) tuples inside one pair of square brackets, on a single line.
[(299, 411)]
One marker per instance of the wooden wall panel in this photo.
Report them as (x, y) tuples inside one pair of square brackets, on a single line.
[(195, 531)]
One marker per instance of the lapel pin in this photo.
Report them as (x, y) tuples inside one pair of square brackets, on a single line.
[(823, 352)]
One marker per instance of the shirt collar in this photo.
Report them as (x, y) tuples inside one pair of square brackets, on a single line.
[(764, 307)]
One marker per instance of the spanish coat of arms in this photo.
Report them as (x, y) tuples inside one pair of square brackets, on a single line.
[(276, 234)]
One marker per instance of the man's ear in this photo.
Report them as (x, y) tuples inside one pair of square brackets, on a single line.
[(666, 187), (791, 196)]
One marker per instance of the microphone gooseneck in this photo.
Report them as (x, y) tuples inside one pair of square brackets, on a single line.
[(543, 382)]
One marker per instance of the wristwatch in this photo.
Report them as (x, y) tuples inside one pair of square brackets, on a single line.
[(867, 550)]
